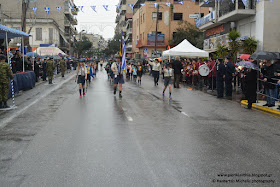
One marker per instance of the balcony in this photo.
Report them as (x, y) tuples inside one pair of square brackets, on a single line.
[(74, 21), (128, 36), (128, 45), (128, 24)]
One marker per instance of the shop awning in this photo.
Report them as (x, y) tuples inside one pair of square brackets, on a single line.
[(12, 33)]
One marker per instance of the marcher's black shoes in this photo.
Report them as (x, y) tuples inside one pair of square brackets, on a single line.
[(271, 105), (246, 107), (266, 104)]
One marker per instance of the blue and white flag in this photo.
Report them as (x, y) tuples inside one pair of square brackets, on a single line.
[(181, 2), (142, 4), (35, 10), (123, 54), (244, 2), (118, 7), (71, 7), (206, 2), (93, 8), (47, 9), (168, 4), (59, 8), (131, 6), (106, 7), (156, 4), (81, 8), (193, 0)]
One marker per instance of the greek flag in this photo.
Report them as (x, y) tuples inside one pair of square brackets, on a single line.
[(81, 8), (181, 2), (168, 4), (59, 8), (142, 4), (106, 7), (47, 9), (123, 54), (244, 2), (93, 8), (206, 2), (156, 4), (35, 10), (131, 6)]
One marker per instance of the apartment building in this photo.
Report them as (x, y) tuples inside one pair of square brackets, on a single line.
[(56, 28), (144, 23), (257, 20), (124, 22)]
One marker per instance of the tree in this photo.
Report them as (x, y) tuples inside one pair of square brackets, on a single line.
[(222, 51), (249, 45), (113, 45), (234, 44), (188, 31), (83, 45)]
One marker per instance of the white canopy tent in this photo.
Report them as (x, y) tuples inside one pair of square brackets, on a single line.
[(49, 51), (185, 48)]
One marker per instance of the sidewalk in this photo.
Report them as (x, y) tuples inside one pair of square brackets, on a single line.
[(259, 106)]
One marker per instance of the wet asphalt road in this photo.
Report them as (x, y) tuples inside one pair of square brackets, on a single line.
[(139, 140)]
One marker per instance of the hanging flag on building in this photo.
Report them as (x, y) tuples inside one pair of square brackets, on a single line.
[(93, 8), (156, 4), (181, 2), (142, 4), (35, 10), (168, 4), (47, 9), (59, 8), (106, 7), (131, 6), (81, 8)]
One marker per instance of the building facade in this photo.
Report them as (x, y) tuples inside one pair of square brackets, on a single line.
[(169, 17), (259, 20), (56, 28)]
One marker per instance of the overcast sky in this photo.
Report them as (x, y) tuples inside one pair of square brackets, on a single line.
[(100, 22)]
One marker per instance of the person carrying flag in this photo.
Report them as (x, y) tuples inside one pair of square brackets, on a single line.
[(118, 75)]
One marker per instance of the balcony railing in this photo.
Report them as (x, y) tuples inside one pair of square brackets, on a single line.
[(226, 6)]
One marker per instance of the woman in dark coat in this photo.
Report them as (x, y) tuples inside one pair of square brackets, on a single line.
[(251, 87)]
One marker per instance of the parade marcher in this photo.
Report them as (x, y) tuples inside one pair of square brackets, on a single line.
[(50, 69), (139, 72), (277, 77), (212, 74), (177, 66), (229, 73), (168, 72), (44, 67), (250, 87), (62, 66), (269, 84), (68, 64), (156, 70), (134, 73), (89, 74), (118, 75), (36, 70), (5, 74), (220, 78), (82, 76)]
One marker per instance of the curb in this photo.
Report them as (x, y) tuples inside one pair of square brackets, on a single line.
[(261, 108)]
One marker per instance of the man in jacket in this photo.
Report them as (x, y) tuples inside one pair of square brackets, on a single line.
[(177, 66), (50, 68), (5, 74), (220, 78), (269, 84), (212, 74), (229, 73), (156, 70), (118, 75)]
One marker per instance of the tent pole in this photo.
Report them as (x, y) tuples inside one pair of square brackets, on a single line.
[(22, 53), (9, 62)]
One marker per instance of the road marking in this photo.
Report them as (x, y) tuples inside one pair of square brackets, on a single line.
[(185, 114), (129, 118), (45, 94)]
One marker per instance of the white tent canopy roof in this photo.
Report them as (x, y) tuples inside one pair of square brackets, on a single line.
[(185, 48), (50, 51)]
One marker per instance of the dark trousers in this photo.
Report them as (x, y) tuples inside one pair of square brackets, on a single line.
[(228, 83), (220, 88), (212, 82), (176, 80), (156, 76), (44, 75), (195, 80)]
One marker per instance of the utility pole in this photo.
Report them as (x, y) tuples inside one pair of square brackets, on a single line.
[(156, 29), (25, 5)]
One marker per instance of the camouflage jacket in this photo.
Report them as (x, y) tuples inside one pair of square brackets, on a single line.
[(5, 72), (50, 65), (62, 65)]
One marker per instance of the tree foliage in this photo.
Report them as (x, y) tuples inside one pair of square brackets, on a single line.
[(113, 45), (234, 44), (83, 45), (222, 51), (249, 45), (188, 31)]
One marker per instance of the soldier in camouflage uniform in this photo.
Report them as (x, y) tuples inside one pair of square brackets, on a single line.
[(62, 66), (50, 68), (5, 74)]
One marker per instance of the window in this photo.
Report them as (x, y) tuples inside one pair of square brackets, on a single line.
[(143, 18), (143, 36), (39, 34), (140, 36), (51, 35), (155, 16), (178, 16)]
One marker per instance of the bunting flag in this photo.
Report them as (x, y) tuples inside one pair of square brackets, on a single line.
[(81, 8), (244, 2), (206, 2), (35, 10), (181, 2), (106, 7), (168, 4), (142, 4), (71, 7), (118, 7), (93, 8), (156, 4), (47, 9), (59, 8), (131, 6)]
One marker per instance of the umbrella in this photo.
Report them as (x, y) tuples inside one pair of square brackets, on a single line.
[(31, 54), (262, 55), (277, 55), (245, 56), (159, 59), (248, 64)]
